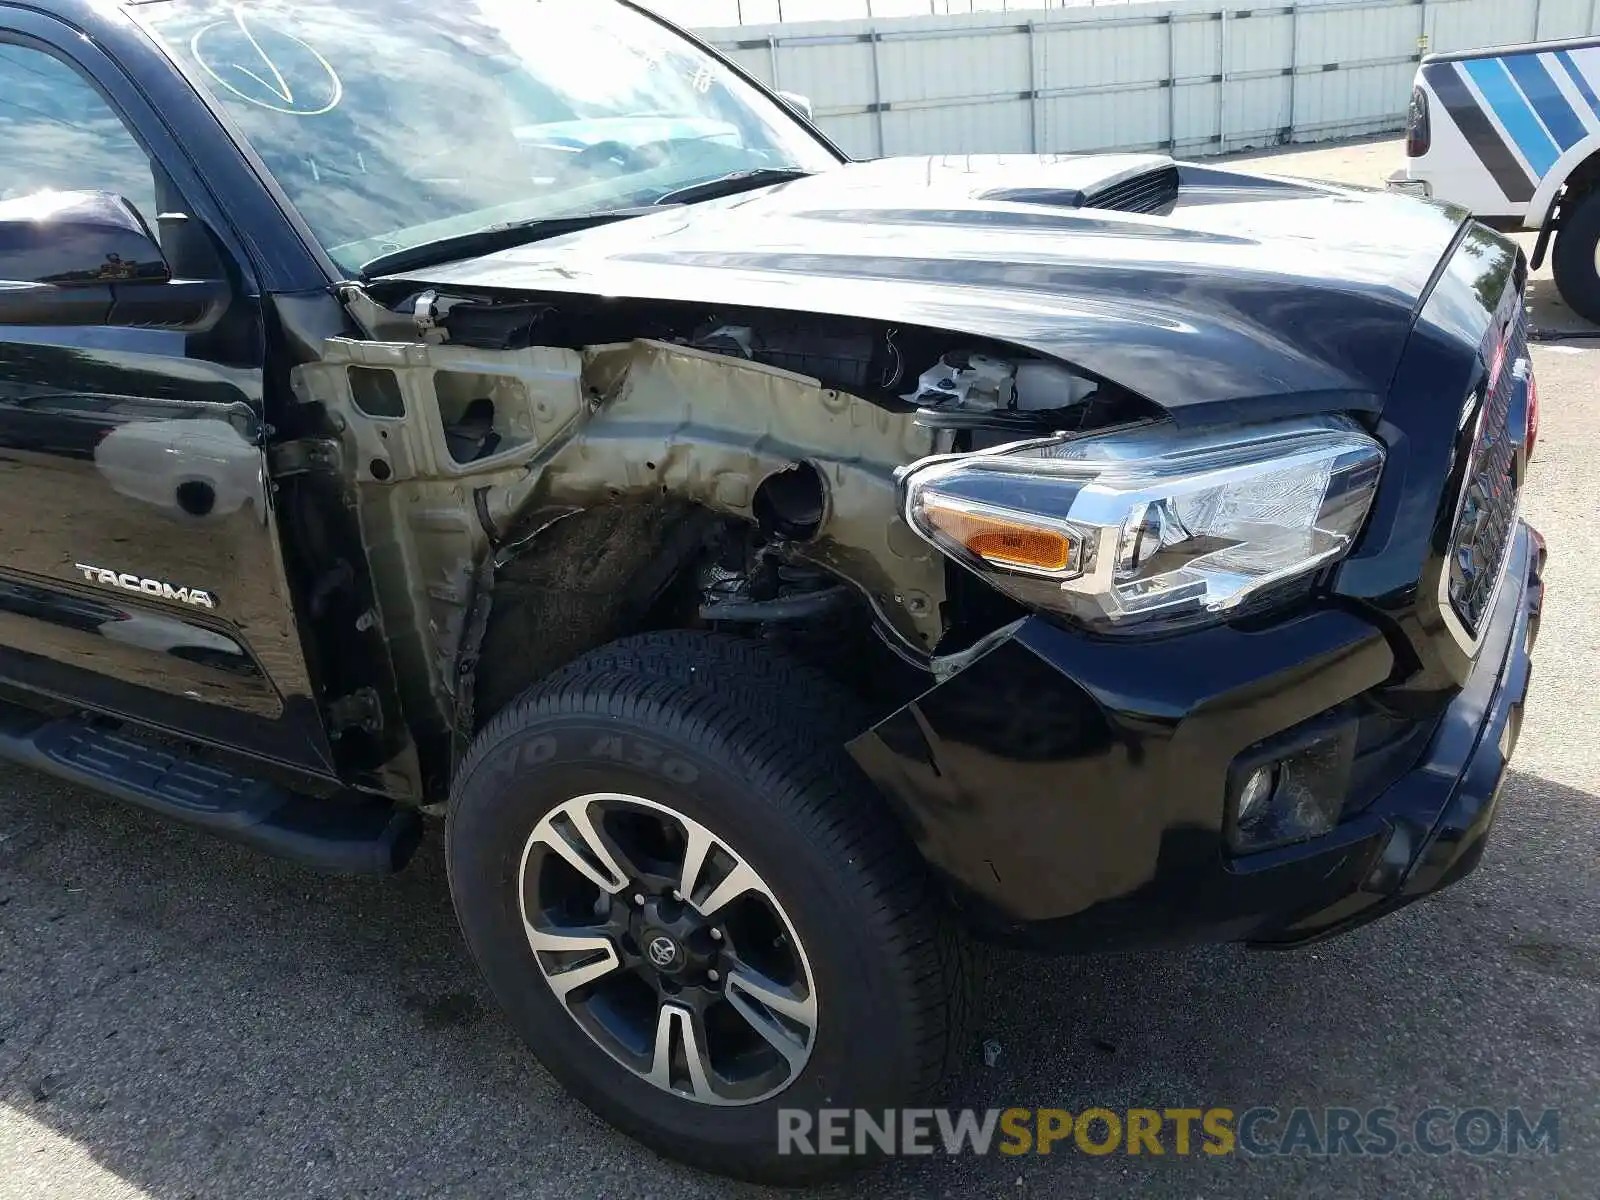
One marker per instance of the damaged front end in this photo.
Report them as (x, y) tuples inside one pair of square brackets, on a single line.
[(532, 480)]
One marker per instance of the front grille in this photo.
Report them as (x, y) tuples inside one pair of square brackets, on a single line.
[(1487, 513), (1147, 192)]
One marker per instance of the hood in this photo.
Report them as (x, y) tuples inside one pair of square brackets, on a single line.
[(1228, 287)]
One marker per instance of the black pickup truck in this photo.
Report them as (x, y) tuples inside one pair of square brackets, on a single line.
[(776, 573)]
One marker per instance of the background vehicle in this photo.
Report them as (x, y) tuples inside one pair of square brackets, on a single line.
[(1513, 135), (769, 566)]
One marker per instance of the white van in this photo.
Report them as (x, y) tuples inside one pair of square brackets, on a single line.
[(1513, 134)]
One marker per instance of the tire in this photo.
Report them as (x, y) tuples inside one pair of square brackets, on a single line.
[(749, 675), (872, 944), (1573, 262)]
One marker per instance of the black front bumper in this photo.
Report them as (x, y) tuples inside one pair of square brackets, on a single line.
[(1073, 789)]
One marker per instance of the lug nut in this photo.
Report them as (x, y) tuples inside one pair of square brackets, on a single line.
[(638, 899), (716, 935), (713, 976), (677, 895)]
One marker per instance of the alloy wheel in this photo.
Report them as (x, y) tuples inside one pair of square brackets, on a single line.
[(667, 949)]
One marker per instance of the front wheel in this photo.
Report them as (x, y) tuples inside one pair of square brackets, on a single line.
[(697, 917), (1575, 262)]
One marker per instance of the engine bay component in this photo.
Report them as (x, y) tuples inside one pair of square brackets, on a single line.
[(791, 503), (842, 358), (802, 606), (1043, 386), (970, 381), (966, 381)]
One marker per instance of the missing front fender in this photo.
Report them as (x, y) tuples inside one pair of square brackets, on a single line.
[(632, 436)]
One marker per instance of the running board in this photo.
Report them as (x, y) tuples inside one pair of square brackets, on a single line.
[(327, 835)]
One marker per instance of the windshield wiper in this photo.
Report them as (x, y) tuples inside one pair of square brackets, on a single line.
[(731, 184), (487, 241)]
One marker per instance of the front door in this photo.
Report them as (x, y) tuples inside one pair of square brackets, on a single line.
[(139, 566)]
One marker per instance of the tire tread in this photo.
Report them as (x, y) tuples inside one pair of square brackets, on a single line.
[(1572, 261), (783, 722)]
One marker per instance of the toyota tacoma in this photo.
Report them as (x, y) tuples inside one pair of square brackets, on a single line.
[(777, 574)]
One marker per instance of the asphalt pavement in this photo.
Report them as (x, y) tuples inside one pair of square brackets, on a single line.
[(180, 1018)]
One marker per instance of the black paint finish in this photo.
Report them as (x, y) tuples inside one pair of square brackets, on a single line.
[(1073, 791), (139, 451), (1257, 294), (76, 238), (1059, 773), (1427, 428), (120, 450), (1074, 788)]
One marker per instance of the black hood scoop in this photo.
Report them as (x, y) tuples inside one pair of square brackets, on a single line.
[(1145, 183), (1150, 192)]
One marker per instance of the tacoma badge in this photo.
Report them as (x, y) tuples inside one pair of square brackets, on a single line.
[(150, 587)]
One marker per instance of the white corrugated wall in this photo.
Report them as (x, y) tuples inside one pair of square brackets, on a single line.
[(1188, 76)]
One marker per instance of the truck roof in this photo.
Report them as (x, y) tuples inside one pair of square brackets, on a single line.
[(1494, 51)]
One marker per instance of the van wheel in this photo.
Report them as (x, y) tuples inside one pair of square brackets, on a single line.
[(697, 916), (1575, 262)]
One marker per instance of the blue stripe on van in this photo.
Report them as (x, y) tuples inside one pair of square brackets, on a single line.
[(1579, 81), (1481, 135), (1507, 104), (1546, 98)]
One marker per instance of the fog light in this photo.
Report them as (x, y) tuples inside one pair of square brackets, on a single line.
[(1255, 793), (1293, 786)]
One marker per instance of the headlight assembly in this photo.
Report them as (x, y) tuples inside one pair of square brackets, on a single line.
[(1152, 524)]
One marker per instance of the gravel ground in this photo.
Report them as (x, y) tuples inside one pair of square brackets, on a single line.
[(179, 1018)]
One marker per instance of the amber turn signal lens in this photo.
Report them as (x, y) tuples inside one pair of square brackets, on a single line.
[(1005, 543)]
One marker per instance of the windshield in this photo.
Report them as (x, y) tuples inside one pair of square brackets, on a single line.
[(391, 123)]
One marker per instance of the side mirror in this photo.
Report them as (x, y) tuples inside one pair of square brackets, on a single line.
[(801, 104), (87, 258), (76, 239)]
